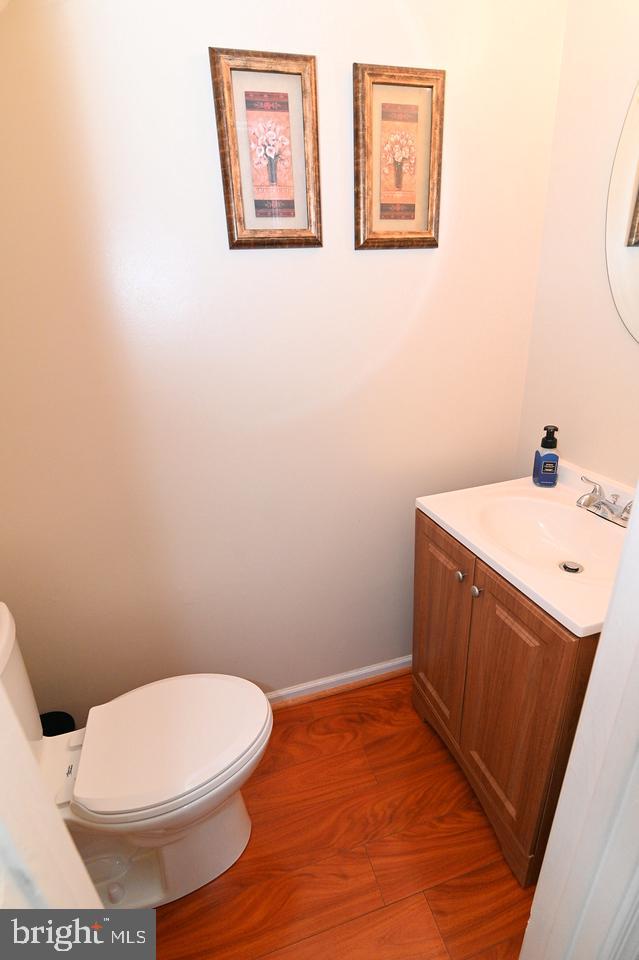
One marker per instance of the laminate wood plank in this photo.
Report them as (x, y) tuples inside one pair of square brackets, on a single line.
[(437, 849), (506, 950), (479, 910), (326, 778), (392, 739), (267, 915), (298, 737), (310, 731), (390, 696), (320, 830), (403, 931), (407, 752), (395, 739)]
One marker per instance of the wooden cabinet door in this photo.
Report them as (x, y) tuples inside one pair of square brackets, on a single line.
[(520, 665), (442, 619)]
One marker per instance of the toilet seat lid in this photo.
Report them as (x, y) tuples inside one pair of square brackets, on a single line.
[(166, 740)]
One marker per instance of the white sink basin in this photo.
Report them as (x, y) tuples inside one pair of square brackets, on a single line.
[(548, 534), (526, 532)]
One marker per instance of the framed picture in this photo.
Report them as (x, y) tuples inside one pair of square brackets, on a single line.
[(398, 117), (266, 111)]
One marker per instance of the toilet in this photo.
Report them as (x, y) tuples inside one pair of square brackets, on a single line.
[(150, 788)]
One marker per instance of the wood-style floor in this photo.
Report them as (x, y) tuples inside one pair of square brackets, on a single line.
[(367, 844)]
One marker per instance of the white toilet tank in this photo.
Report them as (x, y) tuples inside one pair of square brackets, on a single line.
[(14, 677)]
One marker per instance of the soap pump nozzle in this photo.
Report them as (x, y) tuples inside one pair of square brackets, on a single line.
[(549, 442)]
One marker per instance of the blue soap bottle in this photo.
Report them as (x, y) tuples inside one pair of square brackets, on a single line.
[(546, 466)]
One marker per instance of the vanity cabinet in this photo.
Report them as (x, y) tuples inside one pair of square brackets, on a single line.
[(444, 571), (502, 683)]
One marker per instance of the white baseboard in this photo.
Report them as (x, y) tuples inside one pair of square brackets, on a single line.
[(361, 674)]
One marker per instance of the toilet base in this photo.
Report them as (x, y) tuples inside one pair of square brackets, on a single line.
[(157, 867), (206, 850)]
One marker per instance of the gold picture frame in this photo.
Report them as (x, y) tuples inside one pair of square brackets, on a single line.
[(398, 115), (266, 113)]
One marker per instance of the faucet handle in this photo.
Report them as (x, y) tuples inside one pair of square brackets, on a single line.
[(587, 499), (596, 487), (625, 513)]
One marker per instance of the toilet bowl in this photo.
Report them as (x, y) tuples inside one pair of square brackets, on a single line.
[(150, 788)]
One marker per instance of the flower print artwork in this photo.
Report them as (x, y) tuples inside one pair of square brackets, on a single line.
[(398, 155), (269, 147), (269, 134), (398, 161)]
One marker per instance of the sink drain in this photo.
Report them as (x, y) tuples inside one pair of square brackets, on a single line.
[(570, 566)]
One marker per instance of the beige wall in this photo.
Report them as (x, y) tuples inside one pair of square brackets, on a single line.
[(210, 458), (583, 372)]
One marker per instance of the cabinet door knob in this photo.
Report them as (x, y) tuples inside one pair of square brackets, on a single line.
[(461, 576), (475, 591)]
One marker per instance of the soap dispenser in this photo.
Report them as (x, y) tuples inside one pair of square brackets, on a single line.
[(546, 466)]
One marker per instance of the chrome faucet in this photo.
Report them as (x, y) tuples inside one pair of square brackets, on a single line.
[(607, 507), (625, 513), (587, 499)]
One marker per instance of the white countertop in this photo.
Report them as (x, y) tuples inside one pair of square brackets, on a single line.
[(524, 532)]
